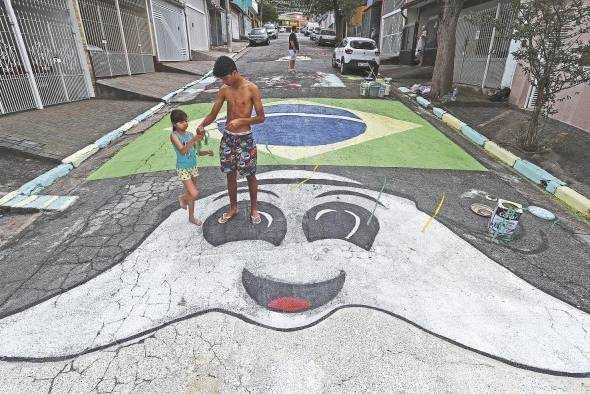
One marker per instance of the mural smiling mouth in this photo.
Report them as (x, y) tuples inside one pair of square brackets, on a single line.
[(288, 297)]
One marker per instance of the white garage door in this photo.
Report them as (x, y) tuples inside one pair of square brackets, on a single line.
[(235, 26), (170, 31), (197, 24)]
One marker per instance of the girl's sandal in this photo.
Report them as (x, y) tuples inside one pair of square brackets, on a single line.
[(225, 218)]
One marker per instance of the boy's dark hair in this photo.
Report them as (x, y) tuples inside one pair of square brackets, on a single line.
[(176, 116), (224, 65)]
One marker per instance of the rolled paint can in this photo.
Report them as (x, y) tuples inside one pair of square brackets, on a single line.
[(504, 221)]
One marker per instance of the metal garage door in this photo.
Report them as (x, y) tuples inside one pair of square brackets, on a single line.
[(118, 36), (170, 30), (235, 26), (40, 56), (196, 21)]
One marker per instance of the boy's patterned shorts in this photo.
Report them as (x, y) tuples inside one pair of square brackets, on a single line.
[(186, 174), (237, 152)]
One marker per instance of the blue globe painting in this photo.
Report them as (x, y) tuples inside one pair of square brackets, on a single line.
[(305, 125)]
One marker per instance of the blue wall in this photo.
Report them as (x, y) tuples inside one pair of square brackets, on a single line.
[(243, 4)]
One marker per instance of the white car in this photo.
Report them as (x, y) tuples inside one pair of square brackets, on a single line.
[(356, 53), (282, 29), (314, 33), (272, 31), (327, 37)]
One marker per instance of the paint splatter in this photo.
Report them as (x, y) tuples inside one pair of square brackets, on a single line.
[(430, 219)]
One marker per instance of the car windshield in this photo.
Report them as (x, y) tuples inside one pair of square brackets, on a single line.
[(317, 29), (362, 45), (269, 27), (257, 31), (328, 33)]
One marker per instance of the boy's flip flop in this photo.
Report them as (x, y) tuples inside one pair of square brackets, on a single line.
[(225, 218), (256, 219)]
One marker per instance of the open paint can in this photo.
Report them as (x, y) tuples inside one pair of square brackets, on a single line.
[(504, 220)]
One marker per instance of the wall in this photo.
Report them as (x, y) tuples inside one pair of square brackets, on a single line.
[(573, 112)]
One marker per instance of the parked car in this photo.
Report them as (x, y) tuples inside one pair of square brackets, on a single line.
[(356, 53), (272, 31), (258, 35), (304, 31), (327, 37), (282, 29), (314, 33), (307, 29)]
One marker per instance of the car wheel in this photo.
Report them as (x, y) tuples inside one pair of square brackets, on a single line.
[(343, 67), (267, 42), (334, 64)]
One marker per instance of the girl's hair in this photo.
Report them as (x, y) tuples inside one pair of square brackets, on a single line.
[(177, 116)]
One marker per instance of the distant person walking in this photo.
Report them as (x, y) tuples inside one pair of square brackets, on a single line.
[(293, 49)]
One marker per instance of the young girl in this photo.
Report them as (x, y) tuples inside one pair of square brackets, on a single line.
[(186, 161)]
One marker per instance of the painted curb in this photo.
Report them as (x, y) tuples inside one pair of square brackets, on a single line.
[(450, 120), (8, 197), (473, 136), (502, 154), (78, 157), (109, 138), (574, 200), (129, 125), (423, 102), (438, 112), (536, 174), (45, 179)]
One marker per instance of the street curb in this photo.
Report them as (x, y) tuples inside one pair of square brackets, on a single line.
[(28, 190), (553, 185)]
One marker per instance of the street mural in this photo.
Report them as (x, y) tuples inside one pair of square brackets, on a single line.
[(326, 242), (318, 249), (340, 132)]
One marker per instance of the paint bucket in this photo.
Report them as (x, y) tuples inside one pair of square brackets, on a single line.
[(504, 220), (364, 88), (376, 90)]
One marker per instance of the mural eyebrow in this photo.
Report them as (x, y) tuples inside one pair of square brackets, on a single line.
[(245, 190), (350, 193)]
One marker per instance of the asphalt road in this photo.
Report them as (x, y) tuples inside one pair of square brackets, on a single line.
[(348, 285)]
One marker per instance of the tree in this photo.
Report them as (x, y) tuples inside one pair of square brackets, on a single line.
[(442, 76), (343, 12), (553, 51), (268, 11)]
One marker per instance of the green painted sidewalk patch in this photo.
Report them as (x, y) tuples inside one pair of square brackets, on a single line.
[(414, 144)]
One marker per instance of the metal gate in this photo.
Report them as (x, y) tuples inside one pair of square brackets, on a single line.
[(170, 27), (118, 36), (40, 55), (482, 45)]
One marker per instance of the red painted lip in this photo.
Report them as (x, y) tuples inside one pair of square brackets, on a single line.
[(289, 304)]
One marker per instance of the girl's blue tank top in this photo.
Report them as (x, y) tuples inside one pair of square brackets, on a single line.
[(190, 159)]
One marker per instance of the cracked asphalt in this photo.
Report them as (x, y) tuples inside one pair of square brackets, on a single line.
[(355, 349)]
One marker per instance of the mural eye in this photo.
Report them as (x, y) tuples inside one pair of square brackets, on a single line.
[(272, 229), (340, 220)]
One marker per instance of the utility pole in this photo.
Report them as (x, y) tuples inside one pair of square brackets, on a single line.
[(228, 25)]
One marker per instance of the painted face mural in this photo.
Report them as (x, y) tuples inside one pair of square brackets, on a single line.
[(318, 249)]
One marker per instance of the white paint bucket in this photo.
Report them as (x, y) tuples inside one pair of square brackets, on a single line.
[(364, 88), (504, 220)]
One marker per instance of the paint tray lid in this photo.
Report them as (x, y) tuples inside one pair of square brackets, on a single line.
[(541, 212)]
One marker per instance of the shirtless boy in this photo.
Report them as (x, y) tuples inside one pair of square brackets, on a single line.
[(237, 149)]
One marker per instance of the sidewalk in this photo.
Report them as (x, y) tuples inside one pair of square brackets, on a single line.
[(567, 149)]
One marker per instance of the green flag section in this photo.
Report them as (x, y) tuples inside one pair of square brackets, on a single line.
[(342, 132)]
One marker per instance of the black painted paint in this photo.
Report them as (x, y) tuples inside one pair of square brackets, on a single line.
[(239, 228), (339, 224)]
